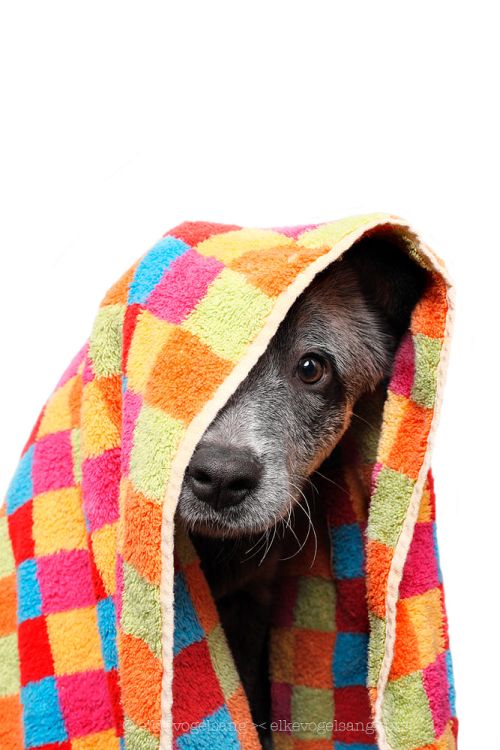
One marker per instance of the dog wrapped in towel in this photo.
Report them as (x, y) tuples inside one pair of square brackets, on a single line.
[(109, 633)]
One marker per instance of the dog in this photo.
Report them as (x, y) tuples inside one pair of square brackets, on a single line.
[(253, 463)]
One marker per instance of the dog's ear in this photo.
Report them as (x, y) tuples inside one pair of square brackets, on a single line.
[(390, 280)]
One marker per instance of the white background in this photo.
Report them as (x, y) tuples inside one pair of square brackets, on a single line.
[(120, 119)]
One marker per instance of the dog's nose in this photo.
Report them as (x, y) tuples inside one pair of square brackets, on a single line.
[(223, 476)]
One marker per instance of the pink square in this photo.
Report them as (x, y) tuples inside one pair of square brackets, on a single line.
[(182, 286), (281, 694), (101, 481), (85, 702), (421, 571), (403, 371), (72, 369), (436, 686), (131, 407), (65, 581), (53, 463), (295, 231)]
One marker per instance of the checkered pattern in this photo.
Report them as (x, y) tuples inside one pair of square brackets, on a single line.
[(80, 535)]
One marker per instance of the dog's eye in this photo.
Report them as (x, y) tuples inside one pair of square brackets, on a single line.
[(311, 369)]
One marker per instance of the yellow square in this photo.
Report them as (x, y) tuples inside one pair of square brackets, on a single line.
[(100, 433), (57, 412), (231, 245), (74, 639), (104, 548), (329, 234), (106, 740), (394, 411), (425, 612), (230, 315), (147, 342), (58, 521)]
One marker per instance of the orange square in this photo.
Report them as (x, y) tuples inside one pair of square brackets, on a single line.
[(201, 597), (142, 534), (11, 735), (282, 654), (429, 316), (409, 448), (425, 613), (273, 269), (406, 653), (426, 510), (106, 740), (378, 563), (8, 610), (313, 658), (185, 376)]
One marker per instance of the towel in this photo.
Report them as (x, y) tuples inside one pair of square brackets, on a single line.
[(109, 635)]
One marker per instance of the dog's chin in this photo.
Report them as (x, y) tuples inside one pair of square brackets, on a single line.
[(246, 519)]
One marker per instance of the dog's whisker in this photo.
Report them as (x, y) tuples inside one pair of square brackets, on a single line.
[(362, 419), (328, 479), (310, 528)]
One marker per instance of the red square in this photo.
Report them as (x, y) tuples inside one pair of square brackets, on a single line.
[(352, 607), (353, 721), (114, 693), (197, 692), (34, 650), (283, 616), (21, 532), (193, 232), (85, 702)]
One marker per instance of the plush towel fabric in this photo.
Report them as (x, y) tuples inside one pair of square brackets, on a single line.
[(94, 653)]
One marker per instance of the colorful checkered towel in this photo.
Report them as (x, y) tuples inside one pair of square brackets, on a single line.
[(109, 636)]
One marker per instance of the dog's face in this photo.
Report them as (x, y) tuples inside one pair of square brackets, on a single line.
[(254, 460)]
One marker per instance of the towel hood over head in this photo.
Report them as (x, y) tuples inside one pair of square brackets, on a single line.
[(109, 635)]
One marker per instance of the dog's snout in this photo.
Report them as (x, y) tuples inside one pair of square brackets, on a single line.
[(222, 475)]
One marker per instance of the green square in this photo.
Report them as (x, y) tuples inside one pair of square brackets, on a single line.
[(156, 439), (376, 646), (141, 612), (427, 356), (7, 565), (315, 605), (407, 715), (230, 315), (9, 659), (222, 660), (312, 713), (137, 738), (106, 341), (389, 506)]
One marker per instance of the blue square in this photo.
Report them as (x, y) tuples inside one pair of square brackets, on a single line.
[(350, 659), (348, 553), (451, 684), (106, 619), (217, 730), (29, 597), (152, 267), (42, 717), (187, 628), (21, 487), (436, 552), (354, 746)]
